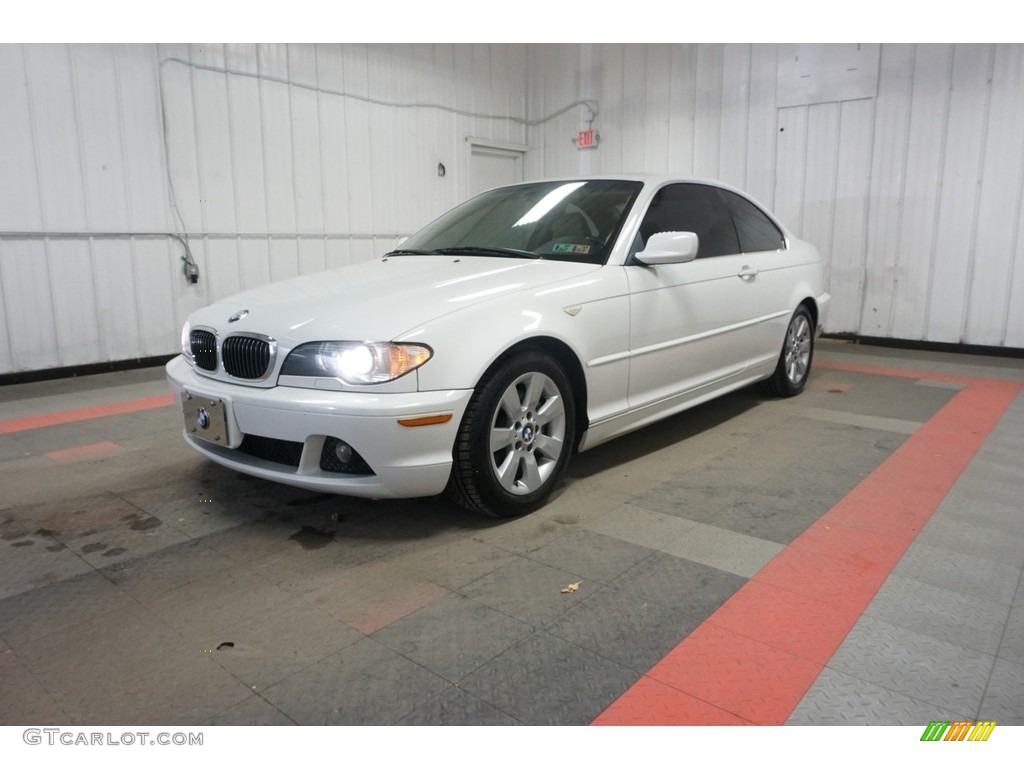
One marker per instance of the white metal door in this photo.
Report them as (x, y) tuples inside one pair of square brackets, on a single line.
[(491, 166)]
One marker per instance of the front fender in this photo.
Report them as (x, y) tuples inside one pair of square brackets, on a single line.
[(589, 315)]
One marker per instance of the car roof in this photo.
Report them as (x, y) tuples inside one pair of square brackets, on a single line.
[(654, 180), (649, 179)]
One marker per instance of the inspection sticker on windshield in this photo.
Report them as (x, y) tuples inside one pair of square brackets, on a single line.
[(570, 248)]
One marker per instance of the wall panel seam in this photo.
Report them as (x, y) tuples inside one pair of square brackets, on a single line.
[(42, 208), (937, 217), (972, 252), (126, 181), (76, 109)]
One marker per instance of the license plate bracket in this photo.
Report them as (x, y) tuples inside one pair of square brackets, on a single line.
[(205, 418)]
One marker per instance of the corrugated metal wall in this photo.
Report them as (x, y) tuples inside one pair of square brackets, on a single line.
[(903, 163), (275, 160)]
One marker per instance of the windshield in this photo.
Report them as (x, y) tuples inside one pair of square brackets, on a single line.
[(563, 220)]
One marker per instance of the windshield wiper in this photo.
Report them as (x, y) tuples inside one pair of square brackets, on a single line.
[(408, 252), (479, 250)]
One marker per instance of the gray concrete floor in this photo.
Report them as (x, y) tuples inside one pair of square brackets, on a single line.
[(140, 584)]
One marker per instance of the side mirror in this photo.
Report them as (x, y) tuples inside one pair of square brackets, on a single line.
[(669, 248)]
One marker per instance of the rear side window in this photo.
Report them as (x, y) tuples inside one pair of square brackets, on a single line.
[(693, 208), (756, 231)]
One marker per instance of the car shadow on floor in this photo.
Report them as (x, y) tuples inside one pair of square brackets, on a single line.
[(662, 434), (320, 516)]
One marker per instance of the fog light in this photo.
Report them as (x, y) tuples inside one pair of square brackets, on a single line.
[(338, 456), (343, 452)]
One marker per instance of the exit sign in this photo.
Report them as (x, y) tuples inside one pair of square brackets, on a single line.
[(586, 139)]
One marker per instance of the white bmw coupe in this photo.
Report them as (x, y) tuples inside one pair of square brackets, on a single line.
[(527, 323)]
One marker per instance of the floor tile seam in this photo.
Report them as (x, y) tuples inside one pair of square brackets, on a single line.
[(70, 578), (655, 552), (680, 691), (161, 552), (546, 628), (941, 702), (543, 624), (259, 691), (27, 668), (720, 529), (255, 561), (528, 555), (760, 639), (160, 612), (580, 578), (638, 503), (864, 630), (363, 637), (405, 615), (884, 686), (816, 666), (957, 547), (152, 618), (257, 695), (360, 673), (645, 546), (967, 595), (999, 647), (537, 631), (59, 581), (813, 594), (944, 551), (228, 630), (975, 474), (530, 635), (458, 682), (465, 692), (897, 622), (715, 619), (639, 673)]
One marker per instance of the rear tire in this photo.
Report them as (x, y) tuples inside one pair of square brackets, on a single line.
[(516, 437), (794, 366)]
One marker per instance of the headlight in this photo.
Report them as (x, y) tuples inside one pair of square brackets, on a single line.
[(355, 362), (186, 341)]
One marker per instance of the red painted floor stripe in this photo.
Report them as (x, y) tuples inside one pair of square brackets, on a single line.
[(90, 451), (756, 656), (81, 414), (905, 373)]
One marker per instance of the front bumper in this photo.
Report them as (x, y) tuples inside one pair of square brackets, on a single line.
[(405, 461)]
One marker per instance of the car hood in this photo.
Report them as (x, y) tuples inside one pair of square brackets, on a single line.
[(380, 300)]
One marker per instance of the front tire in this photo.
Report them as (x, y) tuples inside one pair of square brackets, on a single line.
[(516, 437), (794, 366)]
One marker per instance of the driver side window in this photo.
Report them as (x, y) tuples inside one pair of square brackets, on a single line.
[(691, 208)]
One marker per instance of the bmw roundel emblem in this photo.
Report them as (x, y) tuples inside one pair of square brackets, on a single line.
[(238, 315), (203, 418)]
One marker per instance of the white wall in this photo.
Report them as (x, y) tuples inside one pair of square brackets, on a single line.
[(903, 163), (282, 159)]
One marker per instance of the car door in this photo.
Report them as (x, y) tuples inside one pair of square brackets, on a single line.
[(692, 324), (764, 249)]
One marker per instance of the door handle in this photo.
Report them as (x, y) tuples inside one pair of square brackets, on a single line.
[(747, 272)]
